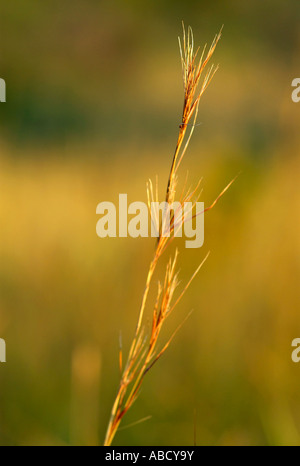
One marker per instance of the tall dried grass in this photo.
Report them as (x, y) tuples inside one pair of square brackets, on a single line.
[(144, 352)]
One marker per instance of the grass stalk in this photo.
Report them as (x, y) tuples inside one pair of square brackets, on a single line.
[(143, 352)]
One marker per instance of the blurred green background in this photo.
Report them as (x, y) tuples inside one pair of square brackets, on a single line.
[(94, 99)]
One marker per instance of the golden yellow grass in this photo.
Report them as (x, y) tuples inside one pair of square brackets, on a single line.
[(144, 351)]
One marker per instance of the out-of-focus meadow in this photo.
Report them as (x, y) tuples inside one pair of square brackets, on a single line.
[(94, 99)]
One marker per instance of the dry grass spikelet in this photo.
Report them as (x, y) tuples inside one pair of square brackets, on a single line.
[(144, 351)]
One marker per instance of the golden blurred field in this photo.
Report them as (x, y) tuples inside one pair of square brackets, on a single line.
[(92, 112)]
